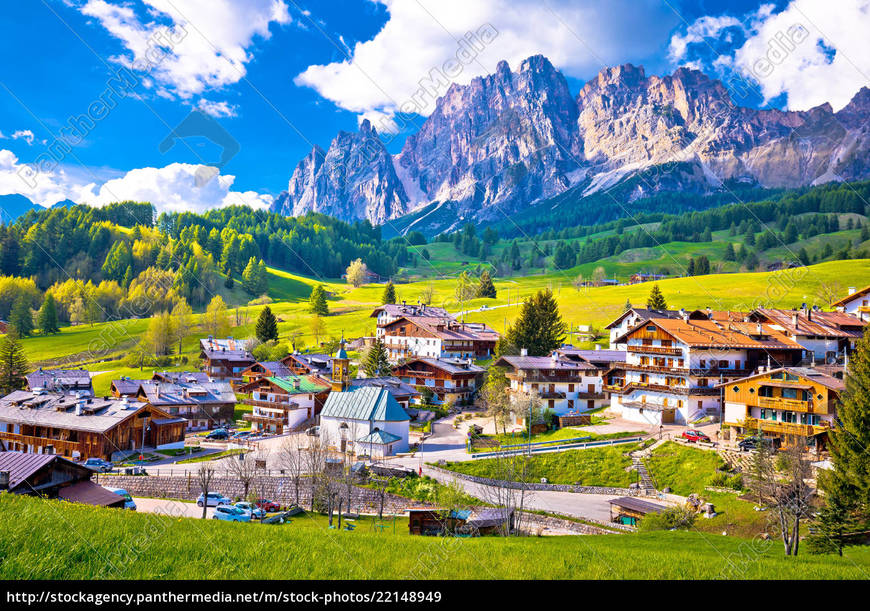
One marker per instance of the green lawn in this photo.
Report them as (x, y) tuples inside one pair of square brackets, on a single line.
[(55, 540), (605, 466), (684, 469)]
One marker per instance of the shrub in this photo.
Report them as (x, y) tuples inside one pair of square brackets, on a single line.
[(670, 518), (735, 482), (719, 480)]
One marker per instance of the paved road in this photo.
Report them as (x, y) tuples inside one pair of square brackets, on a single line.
[(171, 507)]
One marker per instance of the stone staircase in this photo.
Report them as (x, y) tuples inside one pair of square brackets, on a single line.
[(737, 460), (647, 484)]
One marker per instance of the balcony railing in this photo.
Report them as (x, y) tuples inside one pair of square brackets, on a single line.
[(265, 419), (791, 405), (655, 350), (270, 404), (787, 428), (59, 445)]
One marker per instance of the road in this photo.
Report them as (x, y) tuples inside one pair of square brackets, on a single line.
[(170, 507)]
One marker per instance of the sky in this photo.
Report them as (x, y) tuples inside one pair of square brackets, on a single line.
[(196, 104)]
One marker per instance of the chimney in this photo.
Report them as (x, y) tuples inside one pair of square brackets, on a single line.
[(4, 480), (851, 290), (524, 352), (79, 408), (296, 383), (683, 314), (598, 346), (709, 312), (794, 319), (760, 329)]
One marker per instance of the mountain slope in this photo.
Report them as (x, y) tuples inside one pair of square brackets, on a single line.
[(507, 141)]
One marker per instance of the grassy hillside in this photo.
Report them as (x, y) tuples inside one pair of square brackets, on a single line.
[(42, 542), (350, 308)]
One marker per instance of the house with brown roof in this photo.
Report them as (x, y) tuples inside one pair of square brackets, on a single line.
[(389, 312), (790, 404), (71, 381), (265, 369), (437, 337), (302, 363), (82, 427), (825, 335), (856, 303), (673, 365), (451, 381), (53, 477), (225, 359)]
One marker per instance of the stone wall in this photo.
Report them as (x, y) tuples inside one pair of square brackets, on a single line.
[(278, 489), (538, 486), (531, 522)]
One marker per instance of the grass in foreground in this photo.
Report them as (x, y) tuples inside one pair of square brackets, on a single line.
[(56, 540)]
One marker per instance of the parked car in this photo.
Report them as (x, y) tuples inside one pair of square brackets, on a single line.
[(218, 434), (694, 436), (253, 510), (241, 435), (98, 464), (230, 513), (748, 444), (267, 505), (314, 431), (213, 500), (128, 500)]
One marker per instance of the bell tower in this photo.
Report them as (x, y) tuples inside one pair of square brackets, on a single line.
[(340, 367)]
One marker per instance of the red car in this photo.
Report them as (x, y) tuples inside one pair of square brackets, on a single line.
[(267, 505), (693, 436)]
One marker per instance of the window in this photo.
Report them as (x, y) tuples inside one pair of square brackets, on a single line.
[(651, 328), (723, 364), (765, 391), (736, 389), (789, 393)]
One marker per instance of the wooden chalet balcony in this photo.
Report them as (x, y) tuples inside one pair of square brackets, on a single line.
[(270, 404), (670, 351), (544, 378), (551, 394), (60, 446), (786, 428), (678, 390), (791, 405), (656, 368), (264, 419), (590, 395), (399, 347), (864, 309)]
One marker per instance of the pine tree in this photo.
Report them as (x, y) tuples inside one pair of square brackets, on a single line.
[(690, 269), (317, 301), (267, 326), (486, 288), (539, 328), (229, 282), (13, 363), (21, 317), (249, 277), (627, 306), (847, 485), (128, 277), (377, 362), (656, 300), (389, 295), (47, 317), (729, 252)]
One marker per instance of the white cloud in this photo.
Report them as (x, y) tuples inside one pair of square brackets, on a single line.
[(812, 52), (385, 72), (178, 187), (216, 109), (189, 46), (20, 134)]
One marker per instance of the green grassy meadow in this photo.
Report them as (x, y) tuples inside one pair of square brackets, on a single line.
[(46, 540)]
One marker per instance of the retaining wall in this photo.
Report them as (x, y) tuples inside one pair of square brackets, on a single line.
[(538, 486)]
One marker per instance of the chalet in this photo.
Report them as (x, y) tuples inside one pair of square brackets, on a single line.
[(789, 403), (603, 359), (203, 405), (825, 335), (856, 303), (181, 377), (672, 366), (365, 421), (451, 381), (53, 477), (266, 369), (437, 337), (282, 404), (225, 359), (70, 381), (565, 386), (632, 317), (40, 422), (390, 312), (304, 363)]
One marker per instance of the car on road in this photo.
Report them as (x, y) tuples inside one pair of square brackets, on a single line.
[(253, 510), (693, 436), (229, 513), (129, 503), (98, 464), (213, 500), (218, 434), (241, 435), (267, 505)]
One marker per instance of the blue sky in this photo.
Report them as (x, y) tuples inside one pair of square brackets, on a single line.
[(278, 76)]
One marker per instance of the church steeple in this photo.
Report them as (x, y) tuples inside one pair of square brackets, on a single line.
[(340, 367)]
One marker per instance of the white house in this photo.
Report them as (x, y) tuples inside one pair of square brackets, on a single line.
[(366, 420), (856, 303)]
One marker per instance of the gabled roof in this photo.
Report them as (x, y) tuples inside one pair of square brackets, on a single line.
[(308, 384), (378, 436), (397, 310), (22, 465), (226, 349), (849, 298), (812, 374), (275, 368), (177, 377), (543, 362), (59, 379), (313, 361), (798, 322), (592, 356), (165, 393), (447, 365), (393, 385), (448, 328), (367, 403), (645, 314), (713, 333), (59, 411)]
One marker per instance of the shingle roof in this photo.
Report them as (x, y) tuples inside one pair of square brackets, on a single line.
[(90, 493), (638, 505), (315, 362), (189, 377), (380, 437), (394, 386), (817, 323), (22, 465), (849, 298), (644, 313), (165, 393), (59, 411), (448, 365), (367, 403), (58, 379), (544, 362), (449, 328)]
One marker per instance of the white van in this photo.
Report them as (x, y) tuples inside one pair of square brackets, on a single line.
[(129, 503)]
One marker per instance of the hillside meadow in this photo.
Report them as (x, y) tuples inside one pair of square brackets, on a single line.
[(45, 539), (103, 344)]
